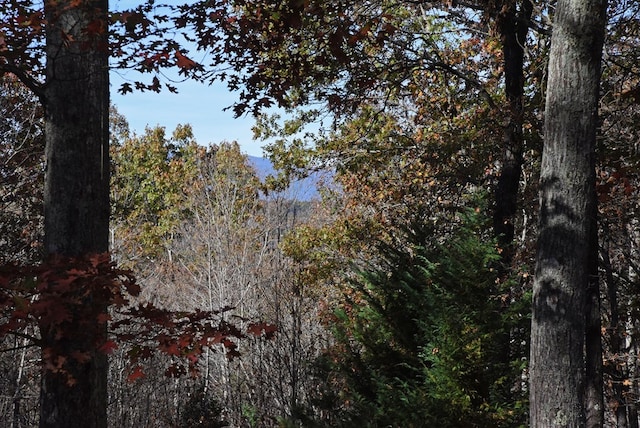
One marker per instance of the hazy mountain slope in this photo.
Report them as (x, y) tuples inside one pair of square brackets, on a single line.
[(302, 190)]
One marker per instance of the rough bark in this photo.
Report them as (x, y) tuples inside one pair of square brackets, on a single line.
[(567, 204), (76, 192)]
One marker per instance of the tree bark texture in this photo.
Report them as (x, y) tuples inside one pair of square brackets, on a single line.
[(567, 204), (76, 101)]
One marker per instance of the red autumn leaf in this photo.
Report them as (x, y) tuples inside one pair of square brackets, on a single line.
[(98, 259), (51, 313), (135, 374), (53, 363), (103, 318), (108, 347), (216, 338), (185, 340), (262, 329), (170, 348)]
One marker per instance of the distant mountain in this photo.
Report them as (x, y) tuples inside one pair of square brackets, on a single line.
[(301, 190), (262, 166)]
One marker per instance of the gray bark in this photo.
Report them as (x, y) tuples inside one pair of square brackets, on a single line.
[(567, 204), (76, 98)]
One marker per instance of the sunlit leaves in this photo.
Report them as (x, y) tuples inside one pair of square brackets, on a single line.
[(22, 33), (152, 177)]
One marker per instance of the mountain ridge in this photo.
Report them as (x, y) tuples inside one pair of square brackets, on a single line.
[(305, 189)]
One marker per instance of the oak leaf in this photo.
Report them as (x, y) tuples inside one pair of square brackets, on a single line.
[(183, 62)]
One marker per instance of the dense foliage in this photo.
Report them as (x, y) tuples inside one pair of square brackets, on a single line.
[(399, 299), (419, 335)]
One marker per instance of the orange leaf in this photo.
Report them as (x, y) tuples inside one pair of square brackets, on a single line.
[(184, 62)]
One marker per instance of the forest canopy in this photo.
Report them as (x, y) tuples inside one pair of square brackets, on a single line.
[(482, 207)]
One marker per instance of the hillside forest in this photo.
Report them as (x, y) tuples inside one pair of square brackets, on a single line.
[(470, 257)]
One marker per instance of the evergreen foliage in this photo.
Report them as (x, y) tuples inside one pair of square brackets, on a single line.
[(418, 338), (202, 411)]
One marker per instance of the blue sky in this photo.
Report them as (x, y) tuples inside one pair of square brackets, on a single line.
[(198, 104)]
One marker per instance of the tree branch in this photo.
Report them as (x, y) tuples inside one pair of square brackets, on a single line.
[(36, 87)]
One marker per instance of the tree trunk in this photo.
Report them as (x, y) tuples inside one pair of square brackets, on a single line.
[(513, 27), (76, 194), (512, 24), (567, 204)]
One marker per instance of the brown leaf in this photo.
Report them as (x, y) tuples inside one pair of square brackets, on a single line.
[(183, 62)]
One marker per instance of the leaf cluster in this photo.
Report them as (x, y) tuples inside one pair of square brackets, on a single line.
[(86, 304), (151, 178), (338, 53)]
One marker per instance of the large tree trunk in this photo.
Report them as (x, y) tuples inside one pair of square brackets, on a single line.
[(567, 201), (76, 195)]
